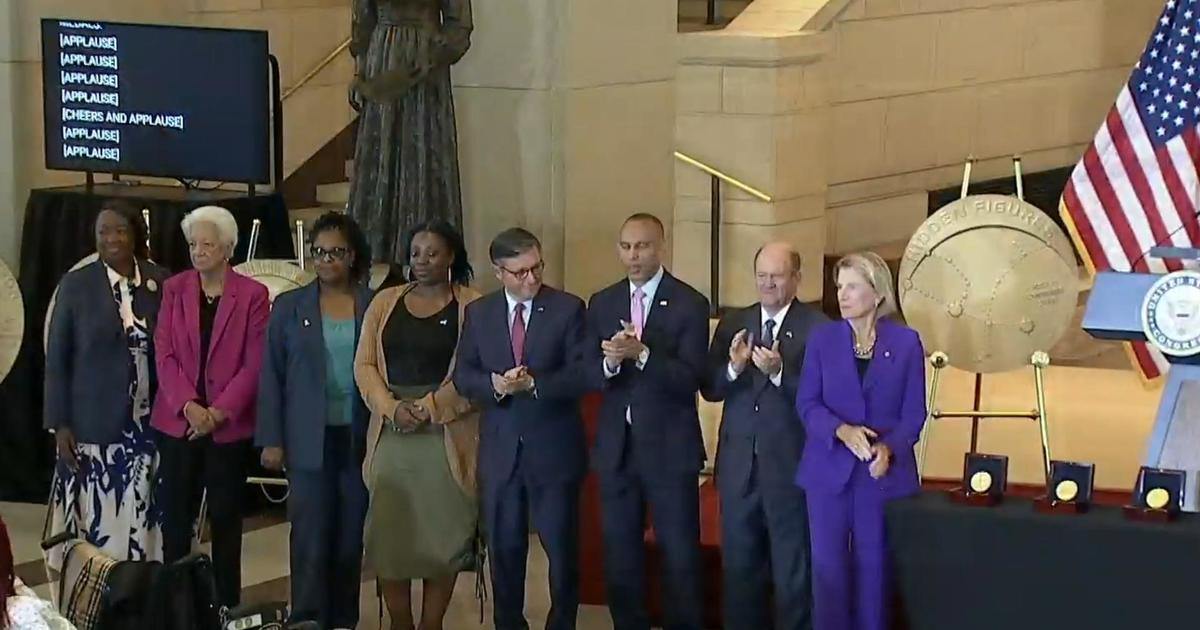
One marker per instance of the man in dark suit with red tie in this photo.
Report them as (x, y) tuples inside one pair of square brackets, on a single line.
[(520, 358), (649, 341), (754, 367)]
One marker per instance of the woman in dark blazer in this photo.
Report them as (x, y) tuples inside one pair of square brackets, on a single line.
[(862, 401), (99, 384), (313, 423), (209, 342)]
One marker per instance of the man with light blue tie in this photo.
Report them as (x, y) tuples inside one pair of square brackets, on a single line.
[(649, 336), (754, 368)]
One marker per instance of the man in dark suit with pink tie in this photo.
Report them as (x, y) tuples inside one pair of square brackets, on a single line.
[(649, 341), (862, 400)]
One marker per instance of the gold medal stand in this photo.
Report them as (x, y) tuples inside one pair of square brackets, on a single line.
[(1038, 359)]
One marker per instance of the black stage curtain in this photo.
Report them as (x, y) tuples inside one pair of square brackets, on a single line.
[(59, 230), (1010, 567)]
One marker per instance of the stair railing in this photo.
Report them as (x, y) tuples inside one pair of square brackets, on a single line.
[(716, 177)]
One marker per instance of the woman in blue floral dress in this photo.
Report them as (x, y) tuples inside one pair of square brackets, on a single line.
[(99, 386)]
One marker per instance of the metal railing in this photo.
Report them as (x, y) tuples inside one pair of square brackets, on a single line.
[(716, 178), (316, 69)]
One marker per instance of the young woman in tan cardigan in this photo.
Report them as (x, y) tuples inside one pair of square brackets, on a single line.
[(423, 437)]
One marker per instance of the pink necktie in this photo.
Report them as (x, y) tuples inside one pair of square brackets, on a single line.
[(518, 334), (638, 311)]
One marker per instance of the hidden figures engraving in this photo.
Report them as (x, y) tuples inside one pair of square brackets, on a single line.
[(989, 279)]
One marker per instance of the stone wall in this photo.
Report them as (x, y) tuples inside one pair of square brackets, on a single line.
[(848, 111)]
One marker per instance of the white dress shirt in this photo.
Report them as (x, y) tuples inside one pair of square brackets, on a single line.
[(512, 310), (512, 316), (648, 290), (125, 286), (731, 373)]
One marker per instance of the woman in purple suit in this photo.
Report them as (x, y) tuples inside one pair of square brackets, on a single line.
[(862, 401)]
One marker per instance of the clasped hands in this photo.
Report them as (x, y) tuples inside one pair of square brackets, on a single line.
[(409, 414), (514, 381), (623, 345), (858, 440), (202, 420), (742, 351)]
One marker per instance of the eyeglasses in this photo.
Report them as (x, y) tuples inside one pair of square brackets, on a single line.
[(320, 253), (523, 274)]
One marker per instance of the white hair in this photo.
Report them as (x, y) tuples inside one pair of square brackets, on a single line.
[(222, 219)]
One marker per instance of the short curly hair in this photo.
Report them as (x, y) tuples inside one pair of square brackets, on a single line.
[(360, 269)]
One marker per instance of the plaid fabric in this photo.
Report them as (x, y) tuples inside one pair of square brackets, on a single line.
[(84, 576)]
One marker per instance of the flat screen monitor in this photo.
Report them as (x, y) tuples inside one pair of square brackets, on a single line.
[(157, 100)]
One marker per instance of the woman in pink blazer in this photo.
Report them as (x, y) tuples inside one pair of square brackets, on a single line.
[(209, 343)]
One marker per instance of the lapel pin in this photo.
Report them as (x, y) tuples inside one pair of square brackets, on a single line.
[(444, 322), (886, 354), (306, 323), (662, 303), (541, 309), (151, 285), (787, 334)]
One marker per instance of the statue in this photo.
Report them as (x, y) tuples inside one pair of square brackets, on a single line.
[(406, 157)]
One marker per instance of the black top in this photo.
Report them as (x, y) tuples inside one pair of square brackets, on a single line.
[(418, 350), (208, 314), (862, 365)]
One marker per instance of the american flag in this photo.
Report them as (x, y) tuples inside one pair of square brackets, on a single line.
[(1136, 186)]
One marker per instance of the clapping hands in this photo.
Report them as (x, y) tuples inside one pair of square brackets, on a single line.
[(623, 345), (514, 381)]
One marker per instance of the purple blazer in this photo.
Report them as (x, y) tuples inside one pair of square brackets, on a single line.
[(234, 354), (890, 399)]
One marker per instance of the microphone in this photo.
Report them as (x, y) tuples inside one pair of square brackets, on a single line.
[(1165, 239)]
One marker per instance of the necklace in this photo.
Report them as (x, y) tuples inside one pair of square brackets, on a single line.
[(864, 350)]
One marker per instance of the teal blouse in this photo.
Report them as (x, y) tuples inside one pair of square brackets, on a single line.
[(339, 369)]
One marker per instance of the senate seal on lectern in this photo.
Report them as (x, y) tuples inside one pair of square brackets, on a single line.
[(1171, 314)]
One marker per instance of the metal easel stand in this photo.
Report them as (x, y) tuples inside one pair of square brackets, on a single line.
[(198, 533), (1039, 360)]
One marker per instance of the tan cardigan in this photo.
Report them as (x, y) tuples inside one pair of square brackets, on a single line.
[(446, 407)]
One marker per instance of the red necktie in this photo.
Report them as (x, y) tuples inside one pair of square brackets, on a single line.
[(518, 335)]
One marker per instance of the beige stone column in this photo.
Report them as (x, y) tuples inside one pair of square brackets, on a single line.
[(566, 125), (755, 107)]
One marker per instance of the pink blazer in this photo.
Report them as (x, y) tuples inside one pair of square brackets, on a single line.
[(234, 357)]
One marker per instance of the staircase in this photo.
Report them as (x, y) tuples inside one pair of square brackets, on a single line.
[(330, 198), (693, 14)]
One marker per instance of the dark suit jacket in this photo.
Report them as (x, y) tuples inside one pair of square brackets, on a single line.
[(547, 427), (758, 417), (890, 399), (292, 406), (88, 370), (662, 396)]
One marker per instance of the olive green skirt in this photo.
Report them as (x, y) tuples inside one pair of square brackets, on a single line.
[(420, 523)]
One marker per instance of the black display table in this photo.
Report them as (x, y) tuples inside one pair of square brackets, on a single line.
[(1010, 567), (59, 230)]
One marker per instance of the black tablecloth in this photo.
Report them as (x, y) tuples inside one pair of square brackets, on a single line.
[(59, 230), (1010, 567)]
